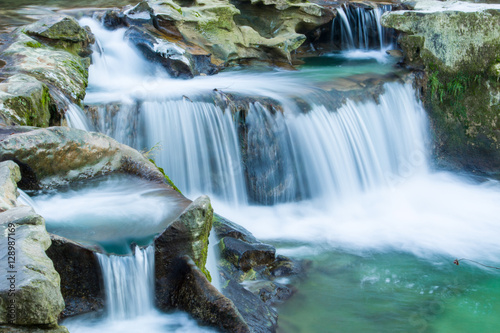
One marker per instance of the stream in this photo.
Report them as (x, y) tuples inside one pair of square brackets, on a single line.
[(349, 185)]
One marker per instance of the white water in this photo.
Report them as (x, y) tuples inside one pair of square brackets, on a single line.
[(111, 212), (361, 172), (129, 288), (357, 27), (360, 175), (25, 199), (73, 113), (213, 259), (128, 283), (199, 147)]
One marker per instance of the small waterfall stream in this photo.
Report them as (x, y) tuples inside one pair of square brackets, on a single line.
[(347, 185), (128, 283), (359, 28)]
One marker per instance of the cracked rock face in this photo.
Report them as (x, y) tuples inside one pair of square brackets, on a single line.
[(31, 294)]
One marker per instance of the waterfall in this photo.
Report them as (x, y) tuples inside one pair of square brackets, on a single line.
[(212, 260), (128, 283), (337, 153), (296, 151), (200, 148), (26, 200), (360, 28)]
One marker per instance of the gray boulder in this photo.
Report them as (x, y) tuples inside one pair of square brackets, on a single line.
[(58, 155), (30, 293)]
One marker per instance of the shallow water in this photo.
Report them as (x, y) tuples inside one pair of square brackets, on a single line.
[(383, 261), (111, 212), (382, 232)]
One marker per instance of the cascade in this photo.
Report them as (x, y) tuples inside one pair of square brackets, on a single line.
[(262, 156), (75, 117), (200, 148), (25, 199), (128, 283), (359, 28)]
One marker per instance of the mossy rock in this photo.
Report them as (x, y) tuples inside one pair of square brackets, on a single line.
[(24, 101), (459, 52)]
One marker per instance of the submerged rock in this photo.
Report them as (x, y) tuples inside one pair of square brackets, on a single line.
[(249, 271), (58, 155), (30, 292)]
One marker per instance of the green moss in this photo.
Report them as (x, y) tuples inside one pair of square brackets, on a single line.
[(34, 44), (169, 181), (464, 118), (222, 19)]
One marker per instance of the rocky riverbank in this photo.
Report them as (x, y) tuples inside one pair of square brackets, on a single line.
[(455, 46)]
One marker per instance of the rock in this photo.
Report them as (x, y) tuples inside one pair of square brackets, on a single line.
[(456, 45), (283, 267), (395, 53), (57, 27), (455, 35), (114, 19), (187, 235), (61, 31), (190, 291), (254, 286), (81, 277), (244, 255), (269, 292), (58, 155), (225, 228), (24, 101), (260, 317), (58, 68), (34, 287), (9, 176), (141, 13), (168, 54), (212, 24)]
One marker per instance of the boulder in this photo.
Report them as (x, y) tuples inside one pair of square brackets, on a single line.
[(177, 58), (245, 255), (192, 292), (213, 25), (81, 278), (58, 155), (24, 101), (249, 271), (455, 35), (57, 68), (30, 292), (61, 31), (187, 235), (456, 46), (9, 176)]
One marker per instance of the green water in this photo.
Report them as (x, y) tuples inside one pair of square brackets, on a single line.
[(392, 292)]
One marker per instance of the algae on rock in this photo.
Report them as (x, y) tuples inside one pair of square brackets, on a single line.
[(457, 45), (24, 101), (211, 25)]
